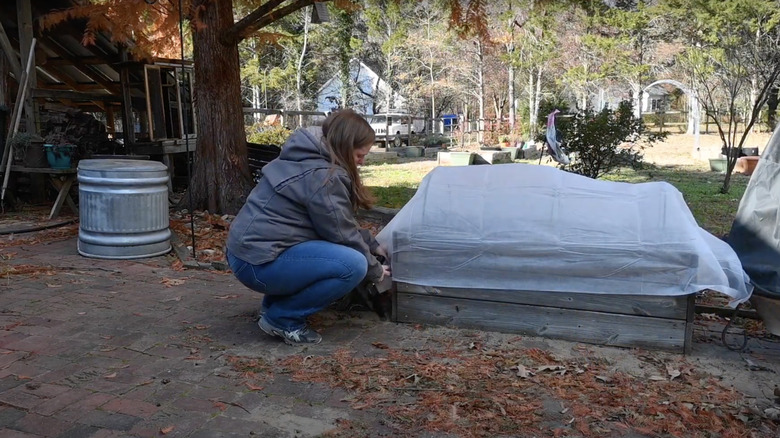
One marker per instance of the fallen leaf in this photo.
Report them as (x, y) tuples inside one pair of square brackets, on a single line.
[(253, 387), (380, 345), (168, 282), (110, 376), (522, 371), (550, 368), (673, 373), (603, 379), (772, 413), (167, 430), (53, 285)]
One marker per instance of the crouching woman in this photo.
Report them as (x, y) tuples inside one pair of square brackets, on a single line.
[(296, 240)]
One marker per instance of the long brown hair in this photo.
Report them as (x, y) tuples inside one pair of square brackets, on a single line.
[(344, 131)]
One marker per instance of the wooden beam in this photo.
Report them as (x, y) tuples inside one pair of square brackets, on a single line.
[(4, 65), (73, 85), (66, 86), (568, 324), (86, 60), (128, 127), (83, 68), (640, 305), (25, 23), (10, 53), (73, 95)]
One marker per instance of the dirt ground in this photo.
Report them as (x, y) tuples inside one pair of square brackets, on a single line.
[(681, 149)]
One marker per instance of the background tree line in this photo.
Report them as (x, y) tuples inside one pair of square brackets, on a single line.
[(484, 58)]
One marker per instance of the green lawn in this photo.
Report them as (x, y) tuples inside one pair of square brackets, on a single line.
[(395, 184)]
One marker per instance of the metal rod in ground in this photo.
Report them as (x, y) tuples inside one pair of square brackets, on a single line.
[(186, 137)]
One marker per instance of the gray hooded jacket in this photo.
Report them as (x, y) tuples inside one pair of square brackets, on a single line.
[(301, 197)]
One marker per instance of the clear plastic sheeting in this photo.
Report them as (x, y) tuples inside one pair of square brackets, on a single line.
[(755, 233), (536, 228)]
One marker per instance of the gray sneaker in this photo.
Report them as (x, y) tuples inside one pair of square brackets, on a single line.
[(303, 335)]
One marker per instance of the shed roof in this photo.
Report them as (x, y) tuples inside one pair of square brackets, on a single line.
[(68, 72)]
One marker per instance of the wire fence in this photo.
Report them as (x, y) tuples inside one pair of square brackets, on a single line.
[(408, 128)]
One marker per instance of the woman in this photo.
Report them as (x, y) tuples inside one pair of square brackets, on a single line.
[(296, 239)]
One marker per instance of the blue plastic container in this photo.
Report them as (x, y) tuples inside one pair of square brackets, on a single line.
[(59, 157)]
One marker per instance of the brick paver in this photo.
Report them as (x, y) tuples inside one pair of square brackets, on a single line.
[(108, 348)]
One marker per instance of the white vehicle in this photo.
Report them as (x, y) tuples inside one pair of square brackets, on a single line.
[(394, 127)]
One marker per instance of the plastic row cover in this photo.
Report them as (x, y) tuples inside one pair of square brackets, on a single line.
[(536, 228), (755, 234)]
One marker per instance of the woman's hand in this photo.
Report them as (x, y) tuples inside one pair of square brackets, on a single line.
[(386, 272)]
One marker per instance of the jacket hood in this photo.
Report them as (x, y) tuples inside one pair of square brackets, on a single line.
[(305, 144), (302, 152)]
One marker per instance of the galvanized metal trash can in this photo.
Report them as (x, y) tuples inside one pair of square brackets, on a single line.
[(123, 209)]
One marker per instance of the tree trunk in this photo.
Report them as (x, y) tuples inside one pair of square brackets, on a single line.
[(537, 94), (531, 119), (299, 67), (481, 88), (511, 92), (220, 178), (771, 103)]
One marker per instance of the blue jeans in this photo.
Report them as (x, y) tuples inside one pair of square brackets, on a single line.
[(303, 280)]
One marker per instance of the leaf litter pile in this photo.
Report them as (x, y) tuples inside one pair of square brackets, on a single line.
[(211, 232), (468, 390), (48, 235)]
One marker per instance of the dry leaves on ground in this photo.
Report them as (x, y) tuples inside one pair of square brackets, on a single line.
[(468, 391), (48, 235)]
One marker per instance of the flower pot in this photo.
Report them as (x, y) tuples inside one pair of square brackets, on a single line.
[(718, 165), (59, 157), (746, 165), (512, 152), (455, 158), (35, 155), (414, 151)]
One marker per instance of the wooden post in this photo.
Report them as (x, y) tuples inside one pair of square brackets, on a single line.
[(4, 65), (128, 127), (110, 122), (24, 18)]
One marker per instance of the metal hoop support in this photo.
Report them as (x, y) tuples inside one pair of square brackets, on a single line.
[(725, 330)]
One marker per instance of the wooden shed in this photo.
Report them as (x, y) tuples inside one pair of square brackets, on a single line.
[(132, 106)]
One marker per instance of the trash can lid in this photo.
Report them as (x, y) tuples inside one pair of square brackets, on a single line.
[(119, 165)]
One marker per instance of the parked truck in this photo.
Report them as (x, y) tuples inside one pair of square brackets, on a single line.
[(394, 128)]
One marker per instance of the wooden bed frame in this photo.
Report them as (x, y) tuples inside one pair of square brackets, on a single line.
[(653, 322)]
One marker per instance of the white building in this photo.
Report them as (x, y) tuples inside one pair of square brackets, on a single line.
[(369, 93)]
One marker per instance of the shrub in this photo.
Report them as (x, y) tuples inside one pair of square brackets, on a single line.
[(435, 140), (599, 143), (275, 134)]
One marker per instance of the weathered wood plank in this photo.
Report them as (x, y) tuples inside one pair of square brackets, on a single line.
[(689, 324), (73, 95), (568, 324), (673, 307)]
